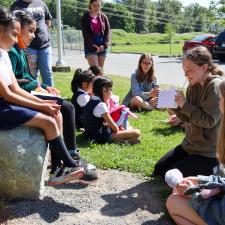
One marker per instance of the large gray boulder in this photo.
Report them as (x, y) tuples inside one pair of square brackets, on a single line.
[(23, 163)]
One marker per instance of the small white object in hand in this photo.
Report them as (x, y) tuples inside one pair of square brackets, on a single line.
[(173, 177)]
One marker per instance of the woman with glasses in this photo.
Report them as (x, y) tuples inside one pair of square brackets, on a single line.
[(144, 85)]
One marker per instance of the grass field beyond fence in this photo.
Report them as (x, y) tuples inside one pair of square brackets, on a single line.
[(121, 41), (156, 138)]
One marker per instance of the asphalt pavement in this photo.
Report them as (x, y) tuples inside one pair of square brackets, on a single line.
[(168, 70)]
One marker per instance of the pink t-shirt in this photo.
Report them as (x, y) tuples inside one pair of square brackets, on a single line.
[(95, 24)]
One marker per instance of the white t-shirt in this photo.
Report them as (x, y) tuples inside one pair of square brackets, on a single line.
[(99, 109), (83, 99), (5, 67)]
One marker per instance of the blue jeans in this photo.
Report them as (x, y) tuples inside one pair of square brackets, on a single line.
[(42, 60)]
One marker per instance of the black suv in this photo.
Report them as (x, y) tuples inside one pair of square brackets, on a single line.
[(219, 47)]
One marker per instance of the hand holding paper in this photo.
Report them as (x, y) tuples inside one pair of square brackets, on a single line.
[(180, 98), (166, 98)]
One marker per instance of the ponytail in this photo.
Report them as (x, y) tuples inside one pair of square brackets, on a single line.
[(6, 18), (215, 70), (80, 77), (74, 83)]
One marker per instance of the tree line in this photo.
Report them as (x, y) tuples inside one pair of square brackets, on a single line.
[(145, 16)]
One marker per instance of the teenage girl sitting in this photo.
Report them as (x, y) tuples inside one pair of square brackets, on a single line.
[(98, 124), (144, 85), (81, 86), (21, 68), (18, 107)]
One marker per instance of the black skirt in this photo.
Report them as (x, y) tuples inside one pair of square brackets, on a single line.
[(12, 115)]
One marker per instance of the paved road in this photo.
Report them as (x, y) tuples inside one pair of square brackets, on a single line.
[(168, 70)]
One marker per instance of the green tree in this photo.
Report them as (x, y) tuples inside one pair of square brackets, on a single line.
[(119, 16), (5, 3), (168, 11), (141, 16)]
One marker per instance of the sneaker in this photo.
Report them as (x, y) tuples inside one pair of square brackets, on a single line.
[(89, 177), (65, 174)]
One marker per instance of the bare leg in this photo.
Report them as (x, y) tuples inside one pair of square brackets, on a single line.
[(45, 123), (136, 102), (101, 61), (181, 212), (58, 119), (139, 103), (126, 134), (92, 60)]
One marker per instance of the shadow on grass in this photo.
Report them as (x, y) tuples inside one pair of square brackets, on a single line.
[(22, 209), (166, 131), (144, 196), (82, 140)]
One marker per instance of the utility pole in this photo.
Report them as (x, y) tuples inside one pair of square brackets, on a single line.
[(60, 64)]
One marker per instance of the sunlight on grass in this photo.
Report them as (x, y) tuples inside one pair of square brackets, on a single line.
[(156, 138)]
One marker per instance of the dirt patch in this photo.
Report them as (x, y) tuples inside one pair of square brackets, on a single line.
[(117, 198)]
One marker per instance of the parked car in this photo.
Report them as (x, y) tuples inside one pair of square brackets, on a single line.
[(219, 47), (207, 40)]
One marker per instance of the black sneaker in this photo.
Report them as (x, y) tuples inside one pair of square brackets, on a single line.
[(65, 174), (90, 175)]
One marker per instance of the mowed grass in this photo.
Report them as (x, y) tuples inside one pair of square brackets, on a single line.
[(155, 43), (156, 138), (155, 49)]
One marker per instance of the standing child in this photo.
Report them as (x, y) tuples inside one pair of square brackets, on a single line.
[(144, 85), (18, 107), (81, 86), (202, 207), (98, 123)]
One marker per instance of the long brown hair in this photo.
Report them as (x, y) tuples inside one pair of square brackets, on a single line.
[(200, 55), (221, 135), (150, 76)]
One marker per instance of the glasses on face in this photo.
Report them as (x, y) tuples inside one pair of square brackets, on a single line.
[(146, 63)]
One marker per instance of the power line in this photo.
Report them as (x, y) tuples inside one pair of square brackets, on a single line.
[(157, 19), (155, 11)]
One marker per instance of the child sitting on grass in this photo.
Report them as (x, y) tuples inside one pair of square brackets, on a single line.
[(98, 124), (81, 86)]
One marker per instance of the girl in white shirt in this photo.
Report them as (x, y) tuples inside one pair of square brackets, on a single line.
[(18, 107), (81, 86), (98, 123)]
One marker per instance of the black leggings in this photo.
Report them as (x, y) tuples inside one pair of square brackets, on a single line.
[(189, 165), (69, 126)]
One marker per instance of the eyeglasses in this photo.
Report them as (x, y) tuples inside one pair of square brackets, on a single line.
[(147, 63)]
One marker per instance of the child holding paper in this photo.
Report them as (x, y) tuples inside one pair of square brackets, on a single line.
[(200, 112), (205, 205), (144, 85), (98, 123)]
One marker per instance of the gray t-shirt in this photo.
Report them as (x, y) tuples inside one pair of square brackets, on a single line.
[(39, 10)]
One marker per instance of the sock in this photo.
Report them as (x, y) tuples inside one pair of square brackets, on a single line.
[(57, 146), (55, 162)]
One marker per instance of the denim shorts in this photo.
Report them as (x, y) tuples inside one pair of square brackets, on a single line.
[(97, 40)]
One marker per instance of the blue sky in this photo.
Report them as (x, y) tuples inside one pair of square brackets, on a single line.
[(204, 3)]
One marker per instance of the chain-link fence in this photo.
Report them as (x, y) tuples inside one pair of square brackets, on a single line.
[(73, 40)]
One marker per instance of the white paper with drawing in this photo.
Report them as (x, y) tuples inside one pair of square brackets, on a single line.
[(166, 98)]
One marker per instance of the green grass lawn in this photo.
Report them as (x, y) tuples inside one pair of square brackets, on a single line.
[(156, 138), (155, 49), (155, 43)]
